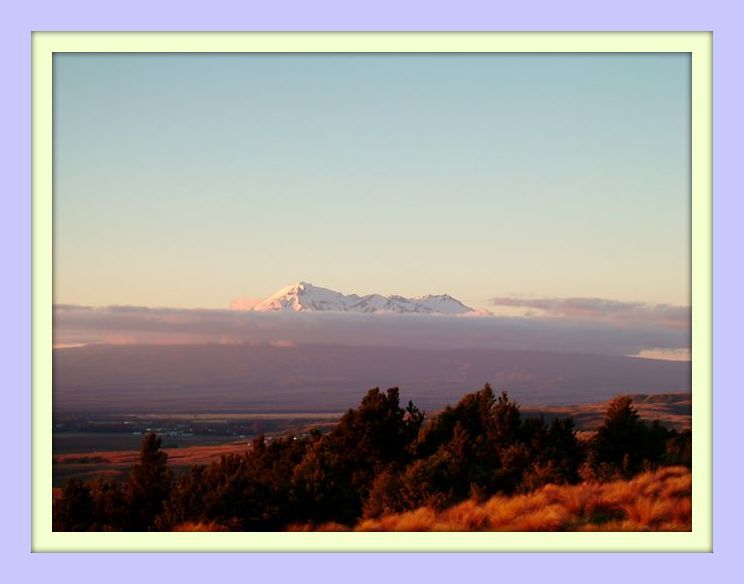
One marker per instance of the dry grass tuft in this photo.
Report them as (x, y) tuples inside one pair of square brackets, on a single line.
[(200, 526), (330, 526), (653, 501)]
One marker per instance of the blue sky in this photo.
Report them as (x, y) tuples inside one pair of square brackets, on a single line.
[(189, 180)]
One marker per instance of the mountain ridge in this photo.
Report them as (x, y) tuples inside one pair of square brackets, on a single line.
[(305, 297), (318, 377)]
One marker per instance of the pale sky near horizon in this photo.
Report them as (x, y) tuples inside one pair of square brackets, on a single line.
[(189, 180)]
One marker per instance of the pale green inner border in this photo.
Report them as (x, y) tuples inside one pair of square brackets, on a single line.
[(44, 44)]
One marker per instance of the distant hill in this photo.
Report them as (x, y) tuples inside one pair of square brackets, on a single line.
[(673, 410), (170, 378)]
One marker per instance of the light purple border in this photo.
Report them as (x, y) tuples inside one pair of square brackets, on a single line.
[(19, 19)]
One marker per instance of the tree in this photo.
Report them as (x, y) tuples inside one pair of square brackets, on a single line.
[(679, 448), (620, 441), (385, 495), (473, 414), (506, 421), (148, 485), (337, 471), (74, 510), (109, 511)]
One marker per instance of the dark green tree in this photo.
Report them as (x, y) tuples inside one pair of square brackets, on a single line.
[(148, 485), (506, 421), (621, 439), (473, 414), (109, 511), (679, 448), (336, 474), (73, 511), (385, 495)]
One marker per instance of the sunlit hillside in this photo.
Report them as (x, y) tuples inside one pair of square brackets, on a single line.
[(653, 501)]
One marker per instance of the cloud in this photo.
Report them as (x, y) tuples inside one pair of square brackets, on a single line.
[(576, 330), (476, 312), (283, 344), (68, 345), (601, 310), (682, 354), (243, 303)]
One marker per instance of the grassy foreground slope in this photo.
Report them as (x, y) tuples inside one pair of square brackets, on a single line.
[(653, 501)]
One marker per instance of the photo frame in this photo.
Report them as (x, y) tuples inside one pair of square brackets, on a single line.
[(698, 44)]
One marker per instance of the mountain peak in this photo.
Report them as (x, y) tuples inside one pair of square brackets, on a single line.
[(305, 297)]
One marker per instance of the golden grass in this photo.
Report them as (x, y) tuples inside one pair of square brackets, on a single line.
[(654, 501), (200, 526), (186, 456), (331, 526)]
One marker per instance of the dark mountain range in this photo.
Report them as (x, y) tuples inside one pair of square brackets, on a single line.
[(182, 378)]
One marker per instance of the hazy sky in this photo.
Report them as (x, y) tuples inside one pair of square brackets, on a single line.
[(189, 180)]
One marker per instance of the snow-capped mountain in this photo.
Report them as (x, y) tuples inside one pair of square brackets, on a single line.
[(304, 297)]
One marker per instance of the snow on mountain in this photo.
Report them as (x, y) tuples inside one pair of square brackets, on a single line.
[(304, 297), (442, 303)]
